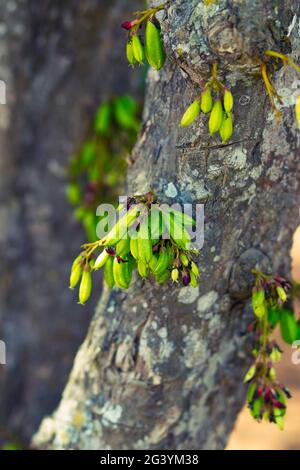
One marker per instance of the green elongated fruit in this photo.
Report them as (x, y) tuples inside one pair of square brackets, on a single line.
[(75, 276), (153, 263), (85, 288), (257, 407), (144, 243), (123, 247), (162, 262), (176, 231), (182, 218), (120, 229), (281, 293), (154, 49), (143, 269), (120, 275), (194, 269), (226, 129), (280, 422), (216, 117), (137, 48), (163, 277), (128, 269), (228, 101), (134, 248), (258, 303), (250, 374), (193, 281), (76, 261), (184, 259), (288, 326), (190, 114), (251, 392), (108, 272), (206, 101), (101, 260), (156, 223), (129, 53)]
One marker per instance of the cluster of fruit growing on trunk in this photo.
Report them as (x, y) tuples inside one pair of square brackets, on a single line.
[(219, 108), (97, 168), (152, 239), (151, 48), (266, 69), (266, 395)]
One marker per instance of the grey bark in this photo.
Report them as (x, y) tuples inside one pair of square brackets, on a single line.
[(162, 367), (59, 60)]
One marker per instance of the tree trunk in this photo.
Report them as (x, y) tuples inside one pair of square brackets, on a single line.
[(59, 60), (162, 367)]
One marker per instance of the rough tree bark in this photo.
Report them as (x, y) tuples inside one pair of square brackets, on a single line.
[(162, 367), (59, 60)]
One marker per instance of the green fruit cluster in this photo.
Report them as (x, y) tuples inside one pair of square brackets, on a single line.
[(152, 50), (148, 239), (219, 109), (266, 396)]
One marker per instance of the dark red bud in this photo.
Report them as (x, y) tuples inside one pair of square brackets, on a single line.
[(111, 251), (186, 278), (259, 392), (278, 404), (267, 396), (128, 24)]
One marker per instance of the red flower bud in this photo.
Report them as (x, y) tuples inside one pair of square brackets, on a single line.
[(128, 24), (278, 404)]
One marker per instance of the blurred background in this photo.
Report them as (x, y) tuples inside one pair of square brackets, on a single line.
[(72, 114)]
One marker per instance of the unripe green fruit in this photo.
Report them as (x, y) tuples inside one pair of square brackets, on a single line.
[(134, 248), (123, 247), (144, 243), (75, 275), (216, 117), (193, 281), (101, 260), (228, 101), (184, 259), (258, 303), (120, 275), (226, 129), (190, 114), (281, 293), (143, 269), (154, 50), (108, 272), (162, 263), (194, 269), (129, 53), (137, 48), (85, 288), (206, 101), (153, 263)]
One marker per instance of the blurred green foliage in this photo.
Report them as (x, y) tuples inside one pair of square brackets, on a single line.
[(97, 170)]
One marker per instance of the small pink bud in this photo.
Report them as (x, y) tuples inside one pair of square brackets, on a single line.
[(128, 24)]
